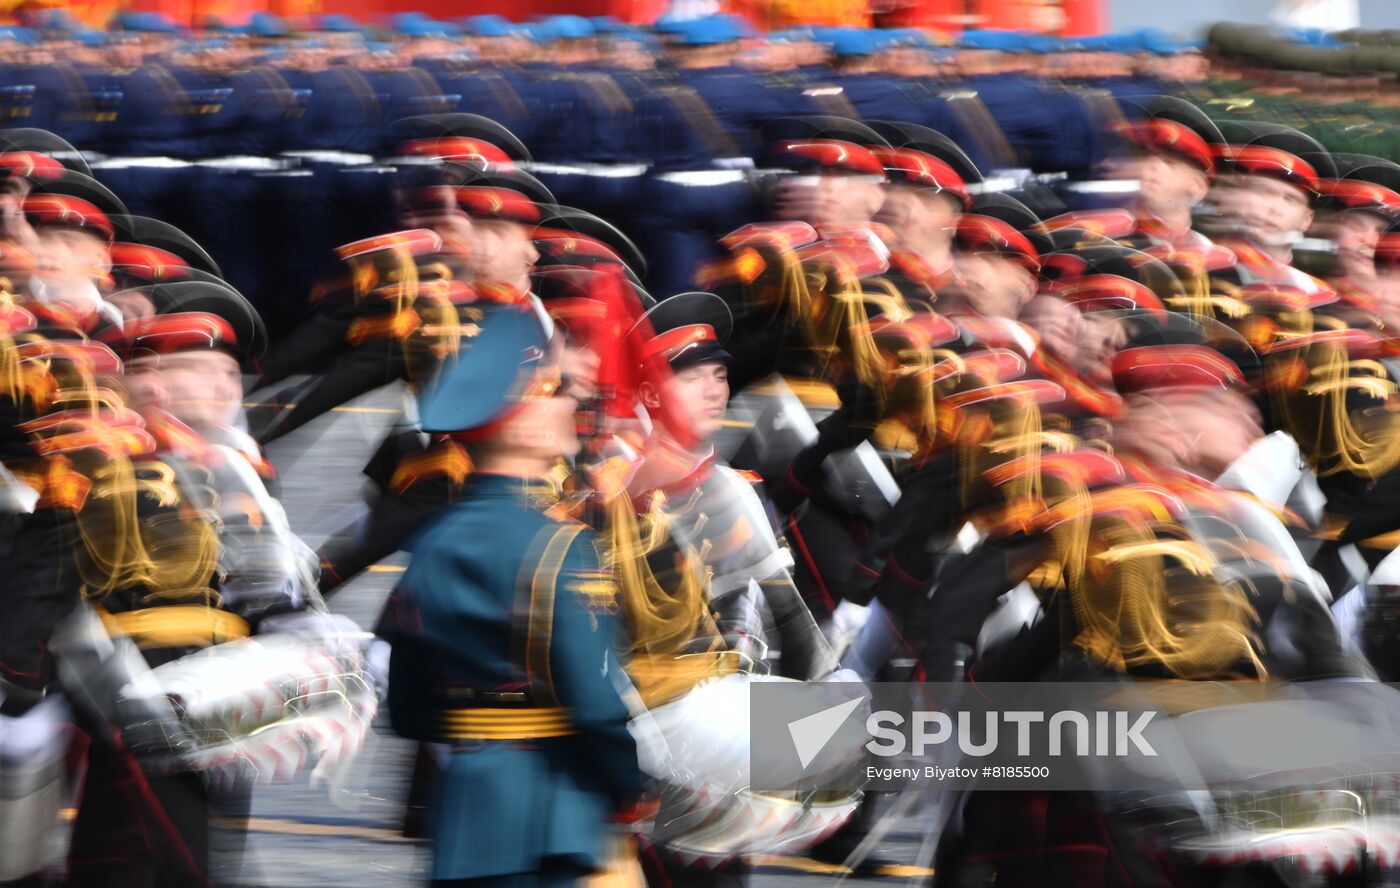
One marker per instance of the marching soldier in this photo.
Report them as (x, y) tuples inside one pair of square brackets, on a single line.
[(1358, 209), (501, 633), (1176, 149), (929, 178), (1265, 196)]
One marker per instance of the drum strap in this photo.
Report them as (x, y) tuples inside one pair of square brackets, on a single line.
[(175, 626)]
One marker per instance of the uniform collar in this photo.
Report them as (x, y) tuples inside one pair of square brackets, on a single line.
[(696, 469), (537, 489)]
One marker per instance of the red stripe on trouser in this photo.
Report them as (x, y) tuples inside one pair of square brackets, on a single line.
[(811, 564)]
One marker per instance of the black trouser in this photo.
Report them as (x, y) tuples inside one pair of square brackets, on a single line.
[(363, 370), (41, 588), (825, 544), (314, 341), (139, 830)]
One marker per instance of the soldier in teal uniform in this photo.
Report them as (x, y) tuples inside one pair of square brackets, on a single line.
[(501, 633)]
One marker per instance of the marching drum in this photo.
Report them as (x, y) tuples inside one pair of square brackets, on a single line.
[(698, 748), (257, 710), (263, 709)]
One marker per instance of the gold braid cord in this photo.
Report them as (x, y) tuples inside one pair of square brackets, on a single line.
[(1148, 600), (662, 617), (1315, 390), (139, 533), (421, 312), (674, 642)]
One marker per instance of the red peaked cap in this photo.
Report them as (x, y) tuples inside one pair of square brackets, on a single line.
[(830, 155), (984, 234), (169, 333), (1147, 368), (459, 149), (1162, 136), (63, 209), (1357, 194), (497, 204), (30, 165), (907, 166), (1261, 160), (147, 263)]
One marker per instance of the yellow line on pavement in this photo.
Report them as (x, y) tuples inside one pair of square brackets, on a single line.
[(300, 828), (386, 568), (900, 871), (805, 864)]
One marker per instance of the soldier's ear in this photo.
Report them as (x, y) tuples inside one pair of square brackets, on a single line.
[(649, 396), (1028, 286), (1200, 187)]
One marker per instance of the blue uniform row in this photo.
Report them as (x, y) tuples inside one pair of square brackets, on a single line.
[(589, 115), (270, 168)]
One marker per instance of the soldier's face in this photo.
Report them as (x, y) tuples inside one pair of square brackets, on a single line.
[(829, 199), (1356, 235), (145, 385), (455, 229), (700, 394), (1101, 337), (1170, 186), (917, 214), (1199, 430), (67, 253), (502, 253), (543, 428), (993, 285), (16, 227), (1273, 212), (1188, 67), (580, 365), (203, 388), (1059, 325)]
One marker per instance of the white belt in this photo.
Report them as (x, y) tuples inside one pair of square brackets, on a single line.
[(702, 177), (121, 163), (605, 170), (993, 183), (734, 163), (245, 162), (1106, 186), (344, 157)]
